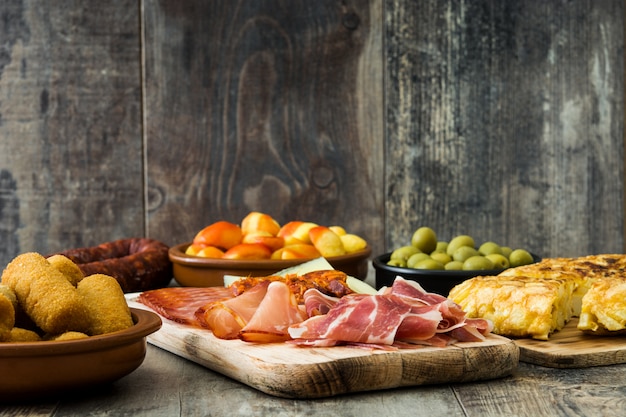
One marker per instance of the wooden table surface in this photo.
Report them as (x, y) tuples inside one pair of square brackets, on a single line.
[(167, 385)]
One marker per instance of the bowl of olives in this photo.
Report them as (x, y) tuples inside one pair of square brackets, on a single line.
[(438, 265)]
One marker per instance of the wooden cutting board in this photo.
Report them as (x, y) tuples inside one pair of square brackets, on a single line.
[(571, 348), (289, 371)]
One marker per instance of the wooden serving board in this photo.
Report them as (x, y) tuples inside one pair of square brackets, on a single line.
[(289, 371), (571, 348)]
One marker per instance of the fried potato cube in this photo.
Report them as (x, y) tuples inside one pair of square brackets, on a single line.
[(106, 305), (45, 294)]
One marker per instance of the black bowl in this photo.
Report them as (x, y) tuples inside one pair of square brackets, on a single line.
[(440, 282)]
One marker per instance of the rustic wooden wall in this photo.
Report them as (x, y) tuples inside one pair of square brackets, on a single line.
[(499, 119), (505, 120)]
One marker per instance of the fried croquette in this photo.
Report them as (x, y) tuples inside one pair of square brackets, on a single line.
[(68, 268), (106, 306), (69, 336), (45, 294), (19, 334), (8, 293), (7, 318)]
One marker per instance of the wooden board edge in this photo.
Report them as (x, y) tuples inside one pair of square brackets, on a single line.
[(331, 377)]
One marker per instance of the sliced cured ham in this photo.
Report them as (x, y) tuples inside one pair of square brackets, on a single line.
[(317, 303), (399, 315), (454, 320), (275, 313), (179, 304), (269, 311), (370, 319), (226, 318)]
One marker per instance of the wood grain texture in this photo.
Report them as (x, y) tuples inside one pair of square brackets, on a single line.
[(289, 371), (501, 120), (265, 106), (505, 121), (70, 125), (571, 348), (167, 385)]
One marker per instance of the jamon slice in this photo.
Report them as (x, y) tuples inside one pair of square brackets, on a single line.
[(401, 315), (317, 303), (179, 304), (371, 319), (277, 311), (227, 317)]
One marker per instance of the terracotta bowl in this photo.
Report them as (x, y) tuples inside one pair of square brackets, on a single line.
[(440, 282), (195, 271), (42, 369)]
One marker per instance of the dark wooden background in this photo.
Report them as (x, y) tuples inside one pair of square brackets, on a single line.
[(500, 119)]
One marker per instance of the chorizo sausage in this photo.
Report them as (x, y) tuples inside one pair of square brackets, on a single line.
[(138, 264)]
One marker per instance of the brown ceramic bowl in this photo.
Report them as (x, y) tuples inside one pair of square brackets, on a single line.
[(440, 282), (196, 271), (41, 369)]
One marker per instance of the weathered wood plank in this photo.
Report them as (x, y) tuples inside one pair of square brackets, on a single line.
[(269, 106), (70, 132), (166, 385), (505, 121), (538, 391)]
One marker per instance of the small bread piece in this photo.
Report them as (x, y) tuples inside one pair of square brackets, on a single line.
[(604, 307), (45, 294), (7, 318), (19, 334), (106, 305), (68, 268), (518, 306)]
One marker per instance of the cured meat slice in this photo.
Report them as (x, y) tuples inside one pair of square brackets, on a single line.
[(273, 316), (356, 318), (317, 303), (330, 282), (395, 316), (419, 325), (179, 304), (227, 317), (412, 289), (454, 320)]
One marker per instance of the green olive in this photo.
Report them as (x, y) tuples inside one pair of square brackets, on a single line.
[(489, 248), (458, 241), (476, 263), (441, 247), (425, 239), (404, 252), (520, 257), (506, 251), (442, 257), (464, 252), (400, 263), (454, 266), (429, 264), (416, 258), (499, 261)]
